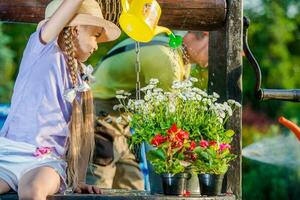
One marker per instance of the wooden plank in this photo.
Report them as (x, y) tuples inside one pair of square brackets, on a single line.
[(192, 19), (176, 14), (26, 3), (123, 196), (225, 78), (191, 4)]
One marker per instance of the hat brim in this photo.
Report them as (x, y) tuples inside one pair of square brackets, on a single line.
[(111, 31)]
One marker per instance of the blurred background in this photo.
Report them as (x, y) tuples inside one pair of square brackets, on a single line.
[(274, 37)]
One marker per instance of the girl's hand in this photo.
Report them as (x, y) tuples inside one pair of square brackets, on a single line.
[(87, 189), (60, 19)]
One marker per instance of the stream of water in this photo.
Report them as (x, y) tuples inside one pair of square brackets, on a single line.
[(281, 150)]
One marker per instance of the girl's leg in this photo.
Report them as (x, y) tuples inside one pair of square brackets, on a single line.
[(38, 183), (4, 187)]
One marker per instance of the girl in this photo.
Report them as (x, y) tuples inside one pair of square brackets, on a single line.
[(47, 139)]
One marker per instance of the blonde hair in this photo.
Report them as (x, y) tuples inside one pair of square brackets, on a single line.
[(80, 144)]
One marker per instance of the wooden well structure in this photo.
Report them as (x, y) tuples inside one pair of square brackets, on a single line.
[(223, 18)]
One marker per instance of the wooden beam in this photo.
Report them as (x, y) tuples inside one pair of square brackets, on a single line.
[(176, 14), (193, 14), (225, 78), (30, 11), (118, 194)]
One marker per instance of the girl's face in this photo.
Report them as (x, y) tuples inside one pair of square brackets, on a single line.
[(86, 41)]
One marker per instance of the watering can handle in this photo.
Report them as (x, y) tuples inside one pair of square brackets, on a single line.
[(125, 5)]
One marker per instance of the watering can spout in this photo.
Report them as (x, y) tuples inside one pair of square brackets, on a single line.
[(161, 29), (125, 5), (174, 40)]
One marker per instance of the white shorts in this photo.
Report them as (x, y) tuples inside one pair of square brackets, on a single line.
[(16, 158)]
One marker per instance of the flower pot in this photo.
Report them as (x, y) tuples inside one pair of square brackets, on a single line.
[(174, 184), (210, 184)]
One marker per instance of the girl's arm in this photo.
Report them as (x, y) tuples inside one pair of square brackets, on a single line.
[(60, 19)]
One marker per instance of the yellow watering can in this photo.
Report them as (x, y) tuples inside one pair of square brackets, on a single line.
[(139, 20)]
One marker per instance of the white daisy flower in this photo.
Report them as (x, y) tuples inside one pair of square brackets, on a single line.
[(193, 79), (120, 92), (154, 81), (121, 97), (119, 120)]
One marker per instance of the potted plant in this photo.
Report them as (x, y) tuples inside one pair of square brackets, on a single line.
[(168, 159), (211, 162), (212, 156), (190, 108)]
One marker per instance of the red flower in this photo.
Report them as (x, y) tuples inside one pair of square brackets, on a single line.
[(193, 157), (192, 145), (224, 146), (212, 143), (178, 144), (158, 139), (186, 193), (182, 135), (173, 129), (203, 143)]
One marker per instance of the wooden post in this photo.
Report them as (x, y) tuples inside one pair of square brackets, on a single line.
[(225, 78)]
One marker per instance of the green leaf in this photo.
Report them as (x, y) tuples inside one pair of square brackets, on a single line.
[(156, 154), (229, 133), (204, 155), (198, 150)]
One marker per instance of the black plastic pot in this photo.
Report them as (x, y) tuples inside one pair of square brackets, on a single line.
[(210, 184), (174, 184)]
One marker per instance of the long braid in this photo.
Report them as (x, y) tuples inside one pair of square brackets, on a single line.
[(81, 141), (69, 49), (74, 143), (88, 123)]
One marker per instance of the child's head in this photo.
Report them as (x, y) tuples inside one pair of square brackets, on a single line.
[(87, 28), (83, 38)]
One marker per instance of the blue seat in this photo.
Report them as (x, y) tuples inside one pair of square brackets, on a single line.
[(143, 165), (3, 113)]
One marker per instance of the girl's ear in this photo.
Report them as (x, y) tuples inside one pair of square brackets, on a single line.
[(75, 31)]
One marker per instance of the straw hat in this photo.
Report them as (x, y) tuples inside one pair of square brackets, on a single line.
[(89, 13)]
